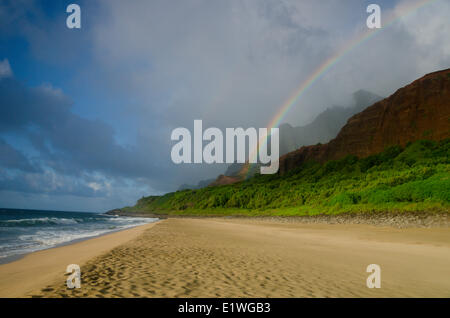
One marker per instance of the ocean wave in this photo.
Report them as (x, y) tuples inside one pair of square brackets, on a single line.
[(38, 221), (33, 234)]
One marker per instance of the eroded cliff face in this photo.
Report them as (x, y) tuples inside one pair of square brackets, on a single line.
[(420, 110)]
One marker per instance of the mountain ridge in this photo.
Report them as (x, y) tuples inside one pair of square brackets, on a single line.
[(418, 110)]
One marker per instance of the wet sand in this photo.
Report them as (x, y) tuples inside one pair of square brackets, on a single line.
[(245, 258)]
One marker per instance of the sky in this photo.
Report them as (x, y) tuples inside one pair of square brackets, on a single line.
[(86, 114)]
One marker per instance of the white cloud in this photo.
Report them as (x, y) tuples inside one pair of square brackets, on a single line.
[(5, 69), (95, 186)]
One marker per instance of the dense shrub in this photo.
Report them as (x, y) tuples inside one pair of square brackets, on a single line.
[(398, 179)]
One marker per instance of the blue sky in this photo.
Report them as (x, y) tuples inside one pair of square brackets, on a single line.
[(86, 114)]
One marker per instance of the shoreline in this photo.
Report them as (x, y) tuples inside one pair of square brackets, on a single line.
[(16, 257), (32, 270)]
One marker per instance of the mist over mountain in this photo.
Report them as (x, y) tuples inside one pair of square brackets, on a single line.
[(326, 125), (201, 184), (420, 110), (321, 130)]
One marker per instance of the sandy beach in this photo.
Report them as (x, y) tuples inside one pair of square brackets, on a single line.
[(240, 258)]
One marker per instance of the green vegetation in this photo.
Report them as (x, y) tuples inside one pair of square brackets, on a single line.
[(416, 178)]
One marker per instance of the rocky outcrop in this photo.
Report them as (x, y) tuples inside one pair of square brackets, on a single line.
[(420, 110)]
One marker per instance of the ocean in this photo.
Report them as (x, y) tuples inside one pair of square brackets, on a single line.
[(25, 231)]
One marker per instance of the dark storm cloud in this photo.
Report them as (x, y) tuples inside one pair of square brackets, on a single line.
[(23, 106), (66, 141), (65, 160), (13, 159)]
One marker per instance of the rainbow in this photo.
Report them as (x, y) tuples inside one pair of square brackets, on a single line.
[(349, 46)]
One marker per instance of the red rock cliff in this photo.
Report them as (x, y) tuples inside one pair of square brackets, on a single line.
[(420, 110)]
